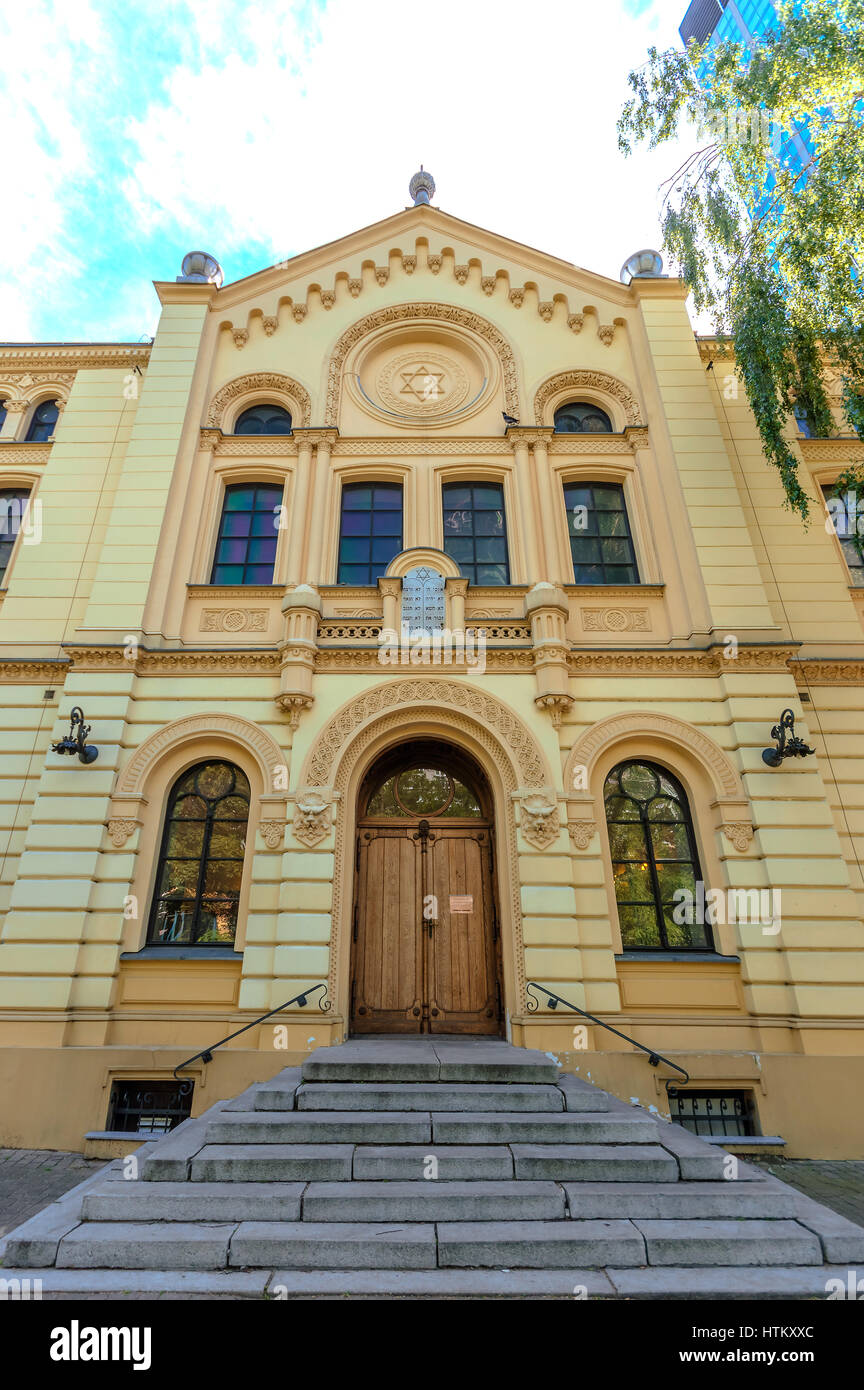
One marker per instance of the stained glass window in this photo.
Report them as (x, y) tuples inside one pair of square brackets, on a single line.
[(370, 535), (248, 532), (201, 859), (475, 531), (654, 856), (600, 540)]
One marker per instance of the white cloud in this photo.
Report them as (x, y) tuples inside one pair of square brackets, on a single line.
[(512, 107)]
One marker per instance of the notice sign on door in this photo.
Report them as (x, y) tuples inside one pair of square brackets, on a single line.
[(461, 904)]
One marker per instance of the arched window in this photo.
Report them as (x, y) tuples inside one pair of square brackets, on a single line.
[(423, 790), (475, 531), (42, 422), (248, 532), (654, 861), (201, 859), (13, 506), (580, 417), (2, 414), (370, 533), (263, 419)]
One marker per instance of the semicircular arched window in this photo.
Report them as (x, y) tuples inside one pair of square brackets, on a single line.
[(655, 865), (263, 419), (42, 422), (423, 791), (580, 417), (201, 859)]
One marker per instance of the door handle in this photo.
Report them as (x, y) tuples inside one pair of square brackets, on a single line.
[(430, 922)]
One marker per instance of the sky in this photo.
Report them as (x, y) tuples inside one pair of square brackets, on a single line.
[(138, 130)]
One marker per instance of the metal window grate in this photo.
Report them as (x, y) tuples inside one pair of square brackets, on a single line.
[(715, 1112), (147, 1106)]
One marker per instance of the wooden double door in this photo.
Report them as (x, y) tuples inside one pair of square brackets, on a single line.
[(426, 955)]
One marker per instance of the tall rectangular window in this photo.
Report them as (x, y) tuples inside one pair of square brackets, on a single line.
[(600, 540), (847, 515), (370, 534), (475, 531), (13, 506), (248, 531)]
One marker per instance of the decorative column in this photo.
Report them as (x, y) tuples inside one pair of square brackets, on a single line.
[(390, 589), (317, 520), (456, 589), (297, 525), (547, 608), (549, 508), (302, 609), (522, 455), (11, 425)]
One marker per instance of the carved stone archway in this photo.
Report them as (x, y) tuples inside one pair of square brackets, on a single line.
[(445, 709), (582, 379), (284, 386), (129, 792), (731, 798), (431, 311)]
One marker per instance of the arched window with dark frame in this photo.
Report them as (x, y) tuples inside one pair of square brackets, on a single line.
[(43, 422), (601, 545), (655, 865), (248, 532), (2, 413), (200, 868), (580, 417), (475, 531), (370, 531), (264, 419)]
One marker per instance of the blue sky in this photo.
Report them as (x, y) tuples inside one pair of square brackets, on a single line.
[(138, 130)]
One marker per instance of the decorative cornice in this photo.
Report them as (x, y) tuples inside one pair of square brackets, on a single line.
[(379, 448), (835, 671), (220, 591), (12, 452), (836, 451), (644, 662), (601, 591), (564, 444), (64, 357), (35, 672), (249, 445)]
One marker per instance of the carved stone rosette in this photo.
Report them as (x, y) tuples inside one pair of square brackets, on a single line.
[(313, 814), (538, 817)]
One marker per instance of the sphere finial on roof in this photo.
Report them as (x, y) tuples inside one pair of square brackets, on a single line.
[(642, 265), (421, 187), (200, 268)]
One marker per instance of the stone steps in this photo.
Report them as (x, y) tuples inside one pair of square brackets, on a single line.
[(434, 1168), (411, 1096)]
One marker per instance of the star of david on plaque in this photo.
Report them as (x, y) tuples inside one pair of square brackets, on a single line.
[(422, 384)]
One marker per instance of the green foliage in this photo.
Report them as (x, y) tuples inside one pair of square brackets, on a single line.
[(780, 272)]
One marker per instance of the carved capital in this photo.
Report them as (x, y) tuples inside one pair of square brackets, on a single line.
[(272, 832), (293, 705), (739, 834), (582, 832), (555, 705), (119, 831)]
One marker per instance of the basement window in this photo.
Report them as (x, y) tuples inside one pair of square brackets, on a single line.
[(718, 1113), (147, 1106)]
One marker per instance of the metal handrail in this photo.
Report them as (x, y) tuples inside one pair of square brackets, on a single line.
[(207, 1054), (654, 1057)]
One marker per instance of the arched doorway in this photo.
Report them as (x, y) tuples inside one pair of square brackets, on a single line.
[(425, 952)]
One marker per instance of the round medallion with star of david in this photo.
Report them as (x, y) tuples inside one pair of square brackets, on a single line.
[(422, 385)]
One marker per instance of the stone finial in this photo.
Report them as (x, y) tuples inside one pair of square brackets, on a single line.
[(421, 187), (645, 264), (200, 268)]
